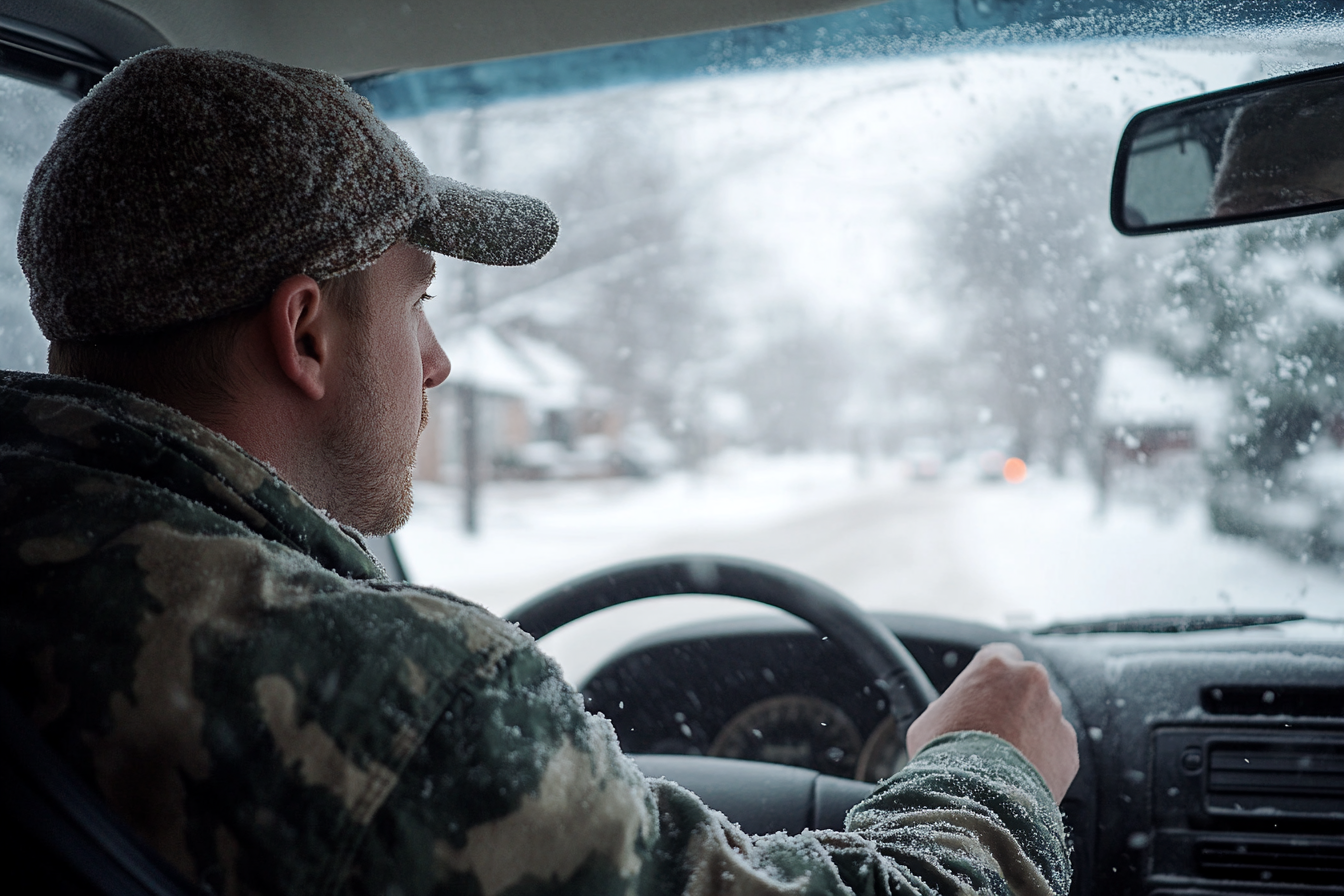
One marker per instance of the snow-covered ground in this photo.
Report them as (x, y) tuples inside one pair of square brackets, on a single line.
[(1008, 555)]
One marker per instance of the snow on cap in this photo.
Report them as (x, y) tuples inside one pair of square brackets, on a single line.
[(190, 183)]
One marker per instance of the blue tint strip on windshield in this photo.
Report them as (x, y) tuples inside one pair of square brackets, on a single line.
[(895, 28)]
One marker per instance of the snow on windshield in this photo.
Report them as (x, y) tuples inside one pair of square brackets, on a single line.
[(810, 315)]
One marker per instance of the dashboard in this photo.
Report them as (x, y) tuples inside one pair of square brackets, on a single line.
[(1212, 761)]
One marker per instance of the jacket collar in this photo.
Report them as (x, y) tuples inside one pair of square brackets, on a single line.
[(92, 425)]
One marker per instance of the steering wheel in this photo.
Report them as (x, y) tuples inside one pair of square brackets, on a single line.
[(907, 690), (904, 688)]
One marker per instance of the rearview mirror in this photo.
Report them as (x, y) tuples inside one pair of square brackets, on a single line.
[(1266, 150)]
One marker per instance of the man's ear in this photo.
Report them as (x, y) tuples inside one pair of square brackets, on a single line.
[(299, 322)]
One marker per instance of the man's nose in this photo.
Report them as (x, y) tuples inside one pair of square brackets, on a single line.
[(433, 360)]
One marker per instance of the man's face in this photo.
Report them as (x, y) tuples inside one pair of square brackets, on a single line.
[(391, 358)]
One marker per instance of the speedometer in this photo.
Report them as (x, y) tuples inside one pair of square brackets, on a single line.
[(884, 753), (792, 730)]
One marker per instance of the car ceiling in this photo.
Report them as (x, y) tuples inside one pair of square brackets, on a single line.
[(71, 44), (357, 37)]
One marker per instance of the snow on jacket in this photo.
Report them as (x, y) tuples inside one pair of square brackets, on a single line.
[(240, 681)]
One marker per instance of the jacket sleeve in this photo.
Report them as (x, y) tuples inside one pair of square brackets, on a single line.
[(517, 791), (969, 814)]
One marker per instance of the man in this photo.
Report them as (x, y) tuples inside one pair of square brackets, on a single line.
[(230, 257)]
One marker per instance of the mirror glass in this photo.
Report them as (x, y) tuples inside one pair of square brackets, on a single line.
[(1268, 150)]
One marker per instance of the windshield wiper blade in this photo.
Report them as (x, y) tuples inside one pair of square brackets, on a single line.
[(1169, 624)]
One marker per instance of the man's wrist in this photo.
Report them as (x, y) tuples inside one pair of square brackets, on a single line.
[(981, 744)]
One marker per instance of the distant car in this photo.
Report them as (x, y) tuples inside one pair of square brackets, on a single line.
[(922, 458), (989, 464)]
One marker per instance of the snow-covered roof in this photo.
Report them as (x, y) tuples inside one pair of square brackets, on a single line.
[(1139, 389), (482, 359), (539, 373), (559, 378)]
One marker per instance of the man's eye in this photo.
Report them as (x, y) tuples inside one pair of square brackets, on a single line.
[(422, 300)]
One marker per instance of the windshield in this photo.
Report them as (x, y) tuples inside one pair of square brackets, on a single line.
[(870, 321)]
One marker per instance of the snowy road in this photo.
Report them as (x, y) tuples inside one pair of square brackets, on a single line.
[(893, 547), (1005, 555)]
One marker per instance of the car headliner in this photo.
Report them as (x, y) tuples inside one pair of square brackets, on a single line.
[(360, 37), (354, 37)]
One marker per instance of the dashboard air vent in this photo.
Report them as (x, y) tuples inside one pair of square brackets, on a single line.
[(1318, 863), (1240, 700), (1298, 777)]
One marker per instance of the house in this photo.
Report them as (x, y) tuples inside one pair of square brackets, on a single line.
[(1152, 423), (536, 413)]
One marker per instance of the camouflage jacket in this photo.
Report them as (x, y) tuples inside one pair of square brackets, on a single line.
[(236, 676)]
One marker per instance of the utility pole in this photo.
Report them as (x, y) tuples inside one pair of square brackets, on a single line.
[(468, 393), (470, 422), (471, 486)]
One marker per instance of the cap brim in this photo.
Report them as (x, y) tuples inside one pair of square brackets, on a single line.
[(485, 226)]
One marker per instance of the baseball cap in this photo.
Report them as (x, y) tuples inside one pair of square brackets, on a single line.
[(189, 183)]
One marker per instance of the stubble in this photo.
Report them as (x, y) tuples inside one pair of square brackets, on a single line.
[(370, 461)]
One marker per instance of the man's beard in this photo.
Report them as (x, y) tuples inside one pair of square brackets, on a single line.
[(371, 484)]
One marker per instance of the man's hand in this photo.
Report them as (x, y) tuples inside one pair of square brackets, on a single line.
[(1003, 694)]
